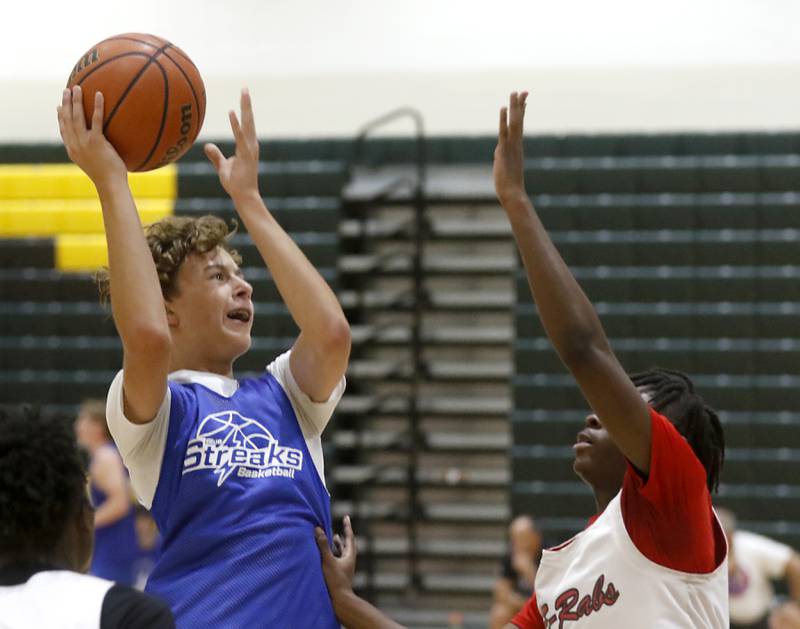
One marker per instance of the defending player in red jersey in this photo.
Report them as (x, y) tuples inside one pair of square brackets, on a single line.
[(654, 555)]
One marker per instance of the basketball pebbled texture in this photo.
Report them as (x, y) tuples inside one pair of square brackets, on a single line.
[(155, 100)]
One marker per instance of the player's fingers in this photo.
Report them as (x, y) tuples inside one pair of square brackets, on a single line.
[(64, 119), (503, 132), (78, 117), (322, 544), (235, 127), (515, 116), (214, 155), (97, 114), (348, 529), (248, 119), (523, 101), (349, 536), (64, 108)]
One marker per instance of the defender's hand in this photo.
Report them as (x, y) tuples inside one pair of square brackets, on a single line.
[(239, 174), (509, 178), (88, 148), (338, 571)]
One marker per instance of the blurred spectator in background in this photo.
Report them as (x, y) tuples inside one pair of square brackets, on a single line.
[(149, 543), (514, 586), (115, 545), (753, 562)]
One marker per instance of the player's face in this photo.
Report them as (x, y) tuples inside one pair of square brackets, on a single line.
[(88, 430), (78, 540), (84, 430), (598, 460), (212, 314)]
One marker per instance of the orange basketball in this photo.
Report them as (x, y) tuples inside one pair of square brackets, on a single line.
[(155, 100)]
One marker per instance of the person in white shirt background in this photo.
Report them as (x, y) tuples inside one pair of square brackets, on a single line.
[(754, 562)]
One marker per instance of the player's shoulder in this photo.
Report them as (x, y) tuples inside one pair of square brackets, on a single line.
[(748, 539), (668, 439), (106, 456), (127, 608), (65, 577)]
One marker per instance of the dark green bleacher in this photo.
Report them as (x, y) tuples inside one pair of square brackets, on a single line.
[(689, 249), (686, 244), (58, 345)]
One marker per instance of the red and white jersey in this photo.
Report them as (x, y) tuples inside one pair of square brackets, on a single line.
[(655, 558), (600, 579)]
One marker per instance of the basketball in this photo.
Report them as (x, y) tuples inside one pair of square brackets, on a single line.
[(155, 99)]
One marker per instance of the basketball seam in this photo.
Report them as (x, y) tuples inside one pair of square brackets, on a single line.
[(124, 95), (163, 113), (191, 87), (147, 43), (107, 61)]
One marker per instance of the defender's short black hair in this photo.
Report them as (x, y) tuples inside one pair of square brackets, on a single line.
[(673, 395), (42, 481)]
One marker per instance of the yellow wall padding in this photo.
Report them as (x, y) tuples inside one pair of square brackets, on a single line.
[(82, 252), (67, 181), (73, 216)]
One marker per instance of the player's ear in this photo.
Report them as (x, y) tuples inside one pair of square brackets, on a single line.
[(172, 317)]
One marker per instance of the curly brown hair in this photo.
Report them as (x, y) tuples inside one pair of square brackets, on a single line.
[(171, 240)]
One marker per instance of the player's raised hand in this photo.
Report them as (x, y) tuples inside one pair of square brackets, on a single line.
[(88, 147), (338, 570), (509, 176), (238, 174)]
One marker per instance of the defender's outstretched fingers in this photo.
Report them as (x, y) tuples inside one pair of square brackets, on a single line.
[(322, 544), (503, 124), (349, 537), (516, 115)]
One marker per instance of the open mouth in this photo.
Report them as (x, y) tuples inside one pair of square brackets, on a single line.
[(582, 440), (240, 314)]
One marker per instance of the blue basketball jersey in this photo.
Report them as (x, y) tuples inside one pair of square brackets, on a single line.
[(237, 501)]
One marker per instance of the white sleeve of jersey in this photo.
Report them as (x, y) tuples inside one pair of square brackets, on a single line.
[(312, 416), (770, 556), (140, 445)]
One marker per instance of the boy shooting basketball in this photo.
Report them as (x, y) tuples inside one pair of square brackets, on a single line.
[(231, 470), (654, 555)]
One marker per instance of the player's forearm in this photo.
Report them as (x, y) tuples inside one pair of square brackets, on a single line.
[(111, 511), (356, 613), (566, 313), (516, 601), (793, 577), (136, 299), (311, 302)]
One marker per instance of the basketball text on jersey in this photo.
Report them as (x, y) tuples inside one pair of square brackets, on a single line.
[(571, 607), (226, 442)]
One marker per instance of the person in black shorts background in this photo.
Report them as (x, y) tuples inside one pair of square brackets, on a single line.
[(46, 533)]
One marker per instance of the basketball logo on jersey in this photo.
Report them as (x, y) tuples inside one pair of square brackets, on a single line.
[(571, 607), (228, 442)]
